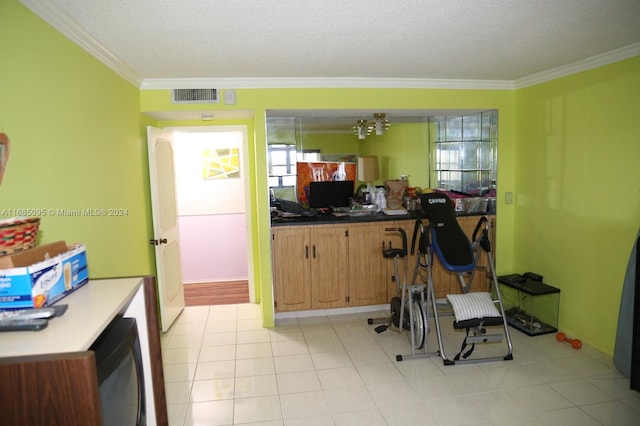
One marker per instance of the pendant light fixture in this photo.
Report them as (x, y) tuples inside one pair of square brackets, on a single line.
[(362, 129), (379, 125)]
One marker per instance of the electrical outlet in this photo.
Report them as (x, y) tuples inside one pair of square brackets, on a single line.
[(508, 198)]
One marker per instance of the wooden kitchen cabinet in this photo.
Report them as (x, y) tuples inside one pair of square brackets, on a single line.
[(334, 266), (291, 269), (309, 267), (329, 267), (367, 267)]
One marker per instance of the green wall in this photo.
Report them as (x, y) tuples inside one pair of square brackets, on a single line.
[(577, 196), (401, 150), (330, 143), (568, 150), (258, 101), (77, 142)]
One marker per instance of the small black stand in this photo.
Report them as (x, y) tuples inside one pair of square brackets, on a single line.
[(527, 318)]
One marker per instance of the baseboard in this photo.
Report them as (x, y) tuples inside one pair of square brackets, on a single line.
[(332, 312)]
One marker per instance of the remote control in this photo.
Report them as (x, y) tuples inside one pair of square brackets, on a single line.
[(60, 309), (43, 313), (23, 324)]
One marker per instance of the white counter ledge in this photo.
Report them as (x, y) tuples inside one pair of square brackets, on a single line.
[(91, 309)]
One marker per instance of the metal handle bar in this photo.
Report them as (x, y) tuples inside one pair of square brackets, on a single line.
[(404, 238)]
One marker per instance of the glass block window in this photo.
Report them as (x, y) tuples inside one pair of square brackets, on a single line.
[(464, 152)]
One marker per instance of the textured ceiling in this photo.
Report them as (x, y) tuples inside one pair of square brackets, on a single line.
[(495, 40)]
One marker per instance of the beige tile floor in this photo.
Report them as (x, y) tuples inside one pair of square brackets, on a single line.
[(223, 368)]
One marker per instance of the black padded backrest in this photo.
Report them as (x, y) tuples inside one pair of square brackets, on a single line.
[(450, 242)]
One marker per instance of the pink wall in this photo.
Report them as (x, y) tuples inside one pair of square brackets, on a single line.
[(213, 248)]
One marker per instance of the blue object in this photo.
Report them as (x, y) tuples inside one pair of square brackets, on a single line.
[(624, 338)]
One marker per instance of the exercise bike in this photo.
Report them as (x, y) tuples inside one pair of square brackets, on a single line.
[(407, 308)]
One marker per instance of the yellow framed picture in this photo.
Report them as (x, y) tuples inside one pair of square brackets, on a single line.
[(221, 163)]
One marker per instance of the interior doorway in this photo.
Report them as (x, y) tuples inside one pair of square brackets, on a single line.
[(211, 190)]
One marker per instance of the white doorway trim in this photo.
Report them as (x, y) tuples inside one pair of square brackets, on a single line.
[(247, 181)]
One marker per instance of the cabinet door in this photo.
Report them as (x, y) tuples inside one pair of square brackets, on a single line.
[(481, 276), (46, 390), (367, 268), (291, 269), (394, 239), (329, 270)]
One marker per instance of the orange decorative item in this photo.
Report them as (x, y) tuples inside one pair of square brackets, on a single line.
[(576, 343), (39, 300), (320, 171), (4, 153)]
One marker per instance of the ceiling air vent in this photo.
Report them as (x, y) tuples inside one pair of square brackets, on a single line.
[(195, 96)]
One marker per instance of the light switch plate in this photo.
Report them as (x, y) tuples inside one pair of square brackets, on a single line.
[(508, 198)]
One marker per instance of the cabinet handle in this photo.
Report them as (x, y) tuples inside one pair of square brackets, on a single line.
[(306, 252), (314, 251)]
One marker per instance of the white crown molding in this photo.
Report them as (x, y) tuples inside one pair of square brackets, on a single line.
[(398, 83), (324, 83), (69, 28), (576, 67)]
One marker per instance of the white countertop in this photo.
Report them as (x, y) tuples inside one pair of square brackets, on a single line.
[(91, 309)]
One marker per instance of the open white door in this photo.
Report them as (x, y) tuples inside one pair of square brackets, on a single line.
[(165, 225)]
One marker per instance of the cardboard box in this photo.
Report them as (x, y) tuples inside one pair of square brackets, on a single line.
[(42, 275)]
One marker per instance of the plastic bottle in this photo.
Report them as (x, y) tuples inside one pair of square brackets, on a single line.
[(381, 200)]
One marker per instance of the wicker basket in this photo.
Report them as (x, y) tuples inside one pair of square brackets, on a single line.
[(18, 234)]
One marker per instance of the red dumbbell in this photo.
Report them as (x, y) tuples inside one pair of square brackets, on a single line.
[(576, 343)]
